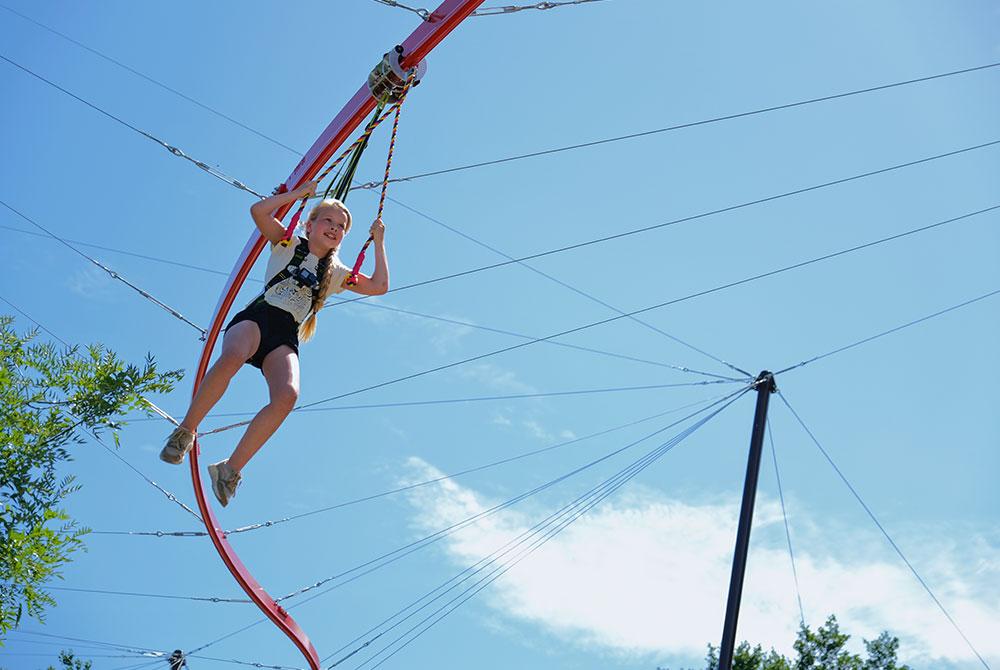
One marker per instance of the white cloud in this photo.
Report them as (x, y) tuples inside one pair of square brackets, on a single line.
[(443, 336), (89, 282), (538, 431), (647, 576), (496, 378)]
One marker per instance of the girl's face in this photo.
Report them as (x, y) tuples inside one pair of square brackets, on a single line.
[(328, 228)]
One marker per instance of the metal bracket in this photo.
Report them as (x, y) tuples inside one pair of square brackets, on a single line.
[(387, 79)]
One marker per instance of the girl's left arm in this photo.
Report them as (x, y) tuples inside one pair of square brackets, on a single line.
[(378, 283)]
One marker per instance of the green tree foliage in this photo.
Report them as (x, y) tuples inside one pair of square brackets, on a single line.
[(49, 400), (823, 649), (68, 661)]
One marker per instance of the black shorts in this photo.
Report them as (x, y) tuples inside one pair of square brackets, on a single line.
[(277, 327)]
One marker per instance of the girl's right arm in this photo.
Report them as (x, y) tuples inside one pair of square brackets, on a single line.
[(262, 210)]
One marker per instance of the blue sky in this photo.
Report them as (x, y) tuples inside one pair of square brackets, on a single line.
[(639, 581)]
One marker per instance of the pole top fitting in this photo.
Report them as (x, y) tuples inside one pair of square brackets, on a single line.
[(765, 377)]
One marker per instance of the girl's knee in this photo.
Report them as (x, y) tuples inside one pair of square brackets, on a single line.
[(230, 360), (285, 397)]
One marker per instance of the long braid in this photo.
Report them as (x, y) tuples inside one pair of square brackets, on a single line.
[(324, 270)]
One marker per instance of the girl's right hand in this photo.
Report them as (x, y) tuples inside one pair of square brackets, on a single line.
[(307, 190)]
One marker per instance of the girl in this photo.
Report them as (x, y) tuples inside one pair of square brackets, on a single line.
[(301, 273)]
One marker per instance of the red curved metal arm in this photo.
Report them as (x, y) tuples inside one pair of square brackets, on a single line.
[(442, 21)]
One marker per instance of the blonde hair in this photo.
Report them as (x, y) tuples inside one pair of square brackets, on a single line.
[(324, 269)]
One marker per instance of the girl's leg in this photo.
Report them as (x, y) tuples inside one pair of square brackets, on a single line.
[(281, 370), (239, 344)]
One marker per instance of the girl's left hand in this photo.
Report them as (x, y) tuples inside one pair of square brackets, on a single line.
[(377, 231)]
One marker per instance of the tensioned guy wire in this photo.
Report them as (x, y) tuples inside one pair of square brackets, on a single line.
[(502, 397), (585, 294), (526, 543), (114, 275), (240, 185), (674, 301), (109, 645), (693, 217), (391, 308), (139, 594), (416, 545), (742, 114), (170, 496), (692, 124), (25, 315), (882, 529), (631, 316), (619, 138), (152, 406), (410, 487), (426, 14), (150, 79), (409, 548), (890, 331), (788, 532), (172, 149)]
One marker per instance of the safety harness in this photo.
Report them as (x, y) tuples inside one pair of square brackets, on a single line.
[(294, 269)]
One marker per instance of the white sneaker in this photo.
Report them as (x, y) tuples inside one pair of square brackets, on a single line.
[(178, 444), (224, 481)]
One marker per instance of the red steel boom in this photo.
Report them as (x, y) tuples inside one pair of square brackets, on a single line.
[(420, 43)]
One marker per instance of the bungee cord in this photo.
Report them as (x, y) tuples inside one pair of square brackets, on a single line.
[(885, 533)]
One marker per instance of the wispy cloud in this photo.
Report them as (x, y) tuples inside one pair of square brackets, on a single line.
[(90, 282), (496, 378), (443, 335), (646, 576)]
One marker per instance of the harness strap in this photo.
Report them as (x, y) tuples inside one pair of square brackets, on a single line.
[(301, 251)]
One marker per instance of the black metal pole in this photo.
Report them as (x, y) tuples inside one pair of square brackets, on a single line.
[(177, 660), (765, 387)]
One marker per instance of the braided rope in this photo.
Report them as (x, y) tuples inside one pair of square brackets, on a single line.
[(361, 138), (352, 280)]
